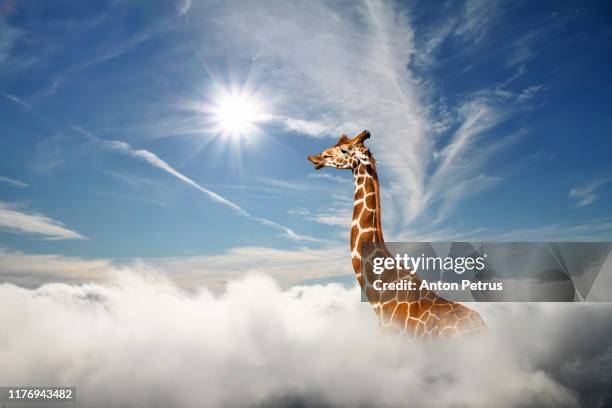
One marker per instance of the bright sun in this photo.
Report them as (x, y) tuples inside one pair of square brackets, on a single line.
[(236, 114)]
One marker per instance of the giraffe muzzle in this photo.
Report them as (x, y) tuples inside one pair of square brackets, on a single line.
[(317, 161)]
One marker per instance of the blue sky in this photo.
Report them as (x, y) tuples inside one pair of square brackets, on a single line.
[(490, 120)]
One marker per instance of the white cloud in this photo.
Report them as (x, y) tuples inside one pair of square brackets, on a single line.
[(335, 217), (8, 37), (476, 19), (283, 185), (183, 6), (33, 270), (532, 44), (521, 51), (586, 194), (529, 92), (288, 267), (298, 211), (16, 100), (454, 176), (13, 182), (425, 55), (338, 215), (14, 219), (328, 176), (470, 25), (311, 128), (256, 345), (11, 40)]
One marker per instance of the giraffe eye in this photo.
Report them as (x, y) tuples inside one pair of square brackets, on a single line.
[(344, 151)]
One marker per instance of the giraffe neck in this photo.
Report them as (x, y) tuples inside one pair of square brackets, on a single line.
[(366, 225)]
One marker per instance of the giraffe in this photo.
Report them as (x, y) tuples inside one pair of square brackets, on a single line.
[(415, 313)]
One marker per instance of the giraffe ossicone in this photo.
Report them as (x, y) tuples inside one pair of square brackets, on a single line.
[(416, 313)]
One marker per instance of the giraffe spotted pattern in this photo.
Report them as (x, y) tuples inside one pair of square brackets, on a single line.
[(414, 313)]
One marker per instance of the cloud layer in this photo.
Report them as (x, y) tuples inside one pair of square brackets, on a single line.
[(255, 344), (287, 267), (14, 219)]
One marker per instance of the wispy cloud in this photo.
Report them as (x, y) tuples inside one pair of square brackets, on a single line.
[(337, 214), (331, 177), (298, 211), (470, 25), (309, 127), (476, 19), (524, 49), (334, 216), (454, 175), (16, 100), (33, 270), (155, 161), (189, 272), (183, 6), (214, 271), (12, 42), (521, 51), (8, 38), (587, 194), (313, 127), (529, 92), (13, 182), (14, 219), (113, 51), (283, 185)]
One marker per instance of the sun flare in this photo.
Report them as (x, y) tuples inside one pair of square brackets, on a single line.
[(237, 113)]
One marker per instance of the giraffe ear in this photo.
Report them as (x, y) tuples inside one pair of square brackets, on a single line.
[(343, 140), (360, 138)]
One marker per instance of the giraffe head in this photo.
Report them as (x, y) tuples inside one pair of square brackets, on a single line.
[(346, 154)]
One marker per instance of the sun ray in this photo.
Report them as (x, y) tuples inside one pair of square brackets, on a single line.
[(236, 113)]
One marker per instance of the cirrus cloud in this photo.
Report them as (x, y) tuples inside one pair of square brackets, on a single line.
[(14, 219)]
